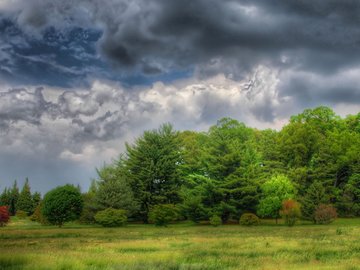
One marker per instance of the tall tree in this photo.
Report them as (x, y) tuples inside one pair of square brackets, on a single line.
[(152, 167), (5, 197), (25, 202), (14, 196)]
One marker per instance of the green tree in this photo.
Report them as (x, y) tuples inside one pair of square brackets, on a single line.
[(274, 192), (152, 166), (25, 202), (62, 204), (350, 202), (14, 196), (113, 190), (91, 206), (36, 200), (5, 197), (314, 196)]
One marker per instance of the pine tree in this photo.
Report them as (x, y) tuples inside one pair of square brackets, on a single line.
[(314, 196), (25, 202), (14, 196), (5, 197), (152, 168), (36, 200)]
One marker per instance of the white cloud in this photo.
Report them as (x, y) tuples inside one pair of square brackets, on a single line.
[(86, 128)]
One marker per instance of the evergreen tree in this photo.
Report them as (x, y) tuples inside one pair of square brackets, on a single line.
[(152, 168), (36, 200), (14, 196), (314, 196), (91, 206), (5, 197), (25, 202), (113, 190)]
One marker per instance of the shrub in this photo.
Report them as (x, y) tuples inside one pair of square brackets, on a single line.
[(163, 214), (4, 215), (325, 214), (62, 204), (215, 220), (21, 214), (111, 217), (249, 219), (290, 211), (37, 216)]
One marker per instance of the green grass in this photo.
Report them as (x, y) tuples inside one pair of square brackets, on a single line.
[(27, 245)]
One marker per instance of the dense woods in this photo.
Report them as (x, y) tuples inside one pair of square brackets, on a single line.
[(227, 171)]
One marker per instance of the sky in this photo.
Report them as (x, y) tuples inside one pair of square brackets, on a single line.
[(79, 78)]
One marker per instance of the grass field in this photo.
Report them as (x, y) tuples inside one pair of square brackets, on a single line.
[(26, 245)]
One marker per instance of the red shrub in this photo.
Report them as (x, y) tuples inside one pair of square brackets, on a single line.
[(325, 214), (290, 211), (4, 215)]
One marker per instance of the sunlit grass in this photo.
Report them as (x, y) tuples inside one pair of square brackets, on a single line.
[(27, 245)]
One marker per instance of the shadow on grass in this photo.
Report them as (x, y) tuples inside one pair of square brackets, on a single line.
[(15, 263)]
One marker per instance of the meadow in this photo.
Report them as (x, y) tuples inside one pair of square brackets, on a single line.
[(27, 245)]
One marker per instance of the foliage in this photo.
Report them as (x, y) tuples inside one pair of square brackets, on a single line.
[(62, 204), (192, 207), (36, 200), (290, 212), (111, 217), (274, 191), (349, 204), (37, 216), (113, 190), (314, 196), (25, 200), (152, 166), (163, 214), (215, 220), (249, 219), (4, 215), (5, 197), (325, 214), (14, 196), (21, 214), (91, 206)]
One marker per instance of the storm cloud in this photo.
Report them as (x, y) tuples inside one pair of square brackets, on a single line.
[(80, 77)]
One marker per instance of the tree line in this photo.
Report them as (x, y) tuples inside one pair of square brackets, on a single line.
[(229, 170)]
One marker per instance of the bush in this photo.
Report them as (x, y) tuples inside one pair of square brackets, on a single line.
[(249, 219), (111, 217), (290, 211), (325, 214), (62, 204), (215, 220), (163, 214), (4, 215), (38, 217), (21, 214)]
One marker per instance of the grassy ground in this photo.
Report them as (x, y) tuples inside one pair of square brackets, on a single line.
[(26, 245)]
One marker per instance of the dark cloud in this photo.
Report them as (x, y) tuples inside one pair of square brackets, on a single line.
[(258, 61), (21, 105), (161, 36)]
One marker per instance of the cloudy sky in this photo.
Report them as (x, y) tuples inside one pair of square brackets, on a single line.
[(78, 78)]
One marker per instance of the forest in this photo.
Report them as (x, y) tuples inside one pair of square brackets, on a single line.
[(311, 164)]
